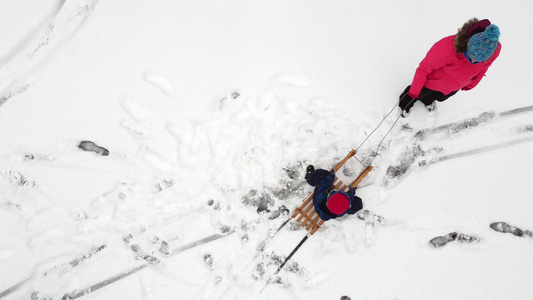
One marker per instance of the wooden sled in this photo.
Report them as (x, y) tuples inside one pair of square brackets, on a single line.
[(306, 215)]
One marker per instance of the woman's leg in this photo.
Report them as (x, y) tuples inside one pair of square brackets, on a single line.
[(428, 96)]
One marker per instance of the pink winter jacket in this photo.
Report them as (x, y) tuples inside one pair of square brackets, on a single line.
[(446, 71)]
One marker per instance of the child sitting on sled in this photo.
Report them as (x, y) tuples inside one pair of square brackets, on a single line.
[(331, 203)]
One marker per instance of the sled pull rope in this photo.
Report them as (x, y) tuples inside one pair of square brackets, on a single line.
[(383, 120), (379, 145)]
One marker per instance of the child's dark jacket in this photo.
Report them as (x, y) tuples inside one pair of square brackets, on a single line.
[(323, 182)]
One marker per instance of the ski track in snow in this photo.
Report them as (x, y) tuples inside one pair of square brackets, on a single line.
[(423, 150), (20, 65)]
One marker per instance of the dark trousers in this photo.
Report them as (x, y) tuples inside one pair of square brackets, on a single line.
[(427, 97)]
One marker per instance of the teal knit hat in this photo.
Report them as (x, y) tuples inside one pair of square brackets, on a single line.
[(482, 45)]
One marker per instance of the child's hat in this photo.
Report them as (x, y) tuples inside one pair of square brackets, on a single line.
[(338, 203), (482, 45)]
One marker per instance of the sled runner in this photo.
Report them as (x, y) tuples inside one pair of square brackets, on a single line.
[(306, 215)]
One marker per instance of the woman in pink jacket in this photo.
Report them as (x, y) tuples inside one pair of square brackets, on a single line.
[(457, 62)]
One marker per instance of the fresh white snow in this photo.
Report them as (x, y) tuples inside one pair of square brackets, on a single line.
[(212, 108)]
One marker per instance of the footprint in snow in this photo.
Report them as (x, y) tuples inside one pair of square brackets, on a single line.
[(506, 228), (159, 81), (218, 282), (227, 99), (138, 110), (19, 179), (371, 221), (453, 236), (92, 147)]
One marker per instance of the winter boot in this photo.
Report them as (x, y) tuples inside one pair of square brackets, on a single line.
[(431, 107)]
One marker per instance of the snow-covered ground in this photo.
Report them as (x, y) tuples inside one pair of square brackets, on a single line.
[(211, 110)]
